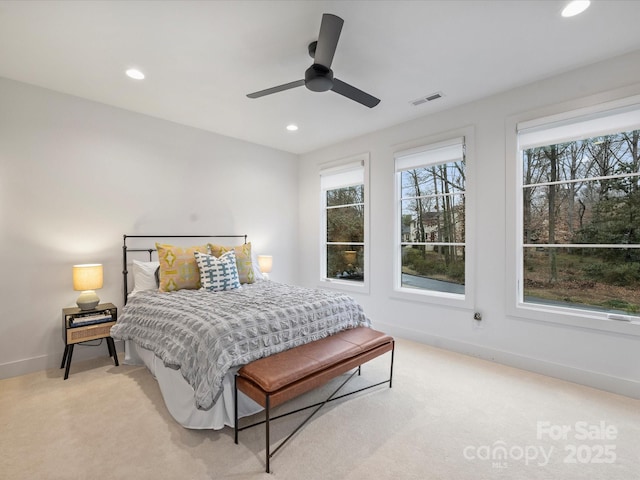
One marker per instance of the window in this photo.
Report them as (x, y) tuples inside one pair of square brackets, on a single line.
[(344, 222), (579, 213), (431, 224)]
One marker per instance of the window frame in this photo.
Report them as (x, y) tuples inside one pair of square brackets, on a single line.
[(516, 306), (324, 281), (466, 300)]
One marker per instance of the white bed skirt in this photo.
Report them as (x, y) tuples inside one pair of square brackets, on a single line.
[(179, 396)]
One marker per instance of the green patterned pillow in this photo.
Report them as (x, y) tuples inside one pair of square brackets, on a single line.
[(243, 260), (178, 267)]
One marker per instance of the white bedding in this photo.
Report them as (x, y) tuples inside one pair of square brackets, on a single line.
[(179, 396)]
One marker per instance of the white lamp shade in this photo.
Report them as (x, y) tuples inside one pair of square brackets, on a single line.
[(350, 256), (265, 262), (87, 277)]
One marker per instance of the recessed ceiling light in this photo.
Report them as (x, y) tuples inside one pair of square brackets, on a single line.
[(135, 74), (575, 7), (292, 127)]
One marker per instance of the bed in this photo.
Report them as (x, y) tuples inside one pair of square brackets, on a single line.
[(193, 329)]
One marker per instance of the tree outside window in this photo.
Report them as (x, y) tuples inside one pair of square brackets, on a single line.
[(431, 186), (581, 223), (344, 222), (345, 233)]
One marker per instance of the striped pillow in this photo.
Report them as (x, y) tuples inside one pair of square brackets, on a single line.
[(218, 274)]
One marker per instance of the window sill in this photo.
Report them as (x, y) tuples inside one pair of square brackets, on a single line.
[(345, 285), (571, 318), (432, 297)]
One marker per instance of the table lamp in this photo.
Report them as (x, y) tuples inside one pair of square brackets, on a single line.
[(87, 278), (265, 262)]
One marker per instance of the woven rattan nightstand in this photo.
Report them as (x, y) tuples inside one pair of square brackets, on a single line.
[(84, 325)]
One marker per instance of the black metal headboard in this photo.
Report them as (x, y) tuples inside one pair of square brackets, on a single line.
[(150, 250)]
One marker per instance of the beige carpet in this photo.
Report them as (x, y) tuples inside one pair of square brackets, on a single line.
[(447, 417)]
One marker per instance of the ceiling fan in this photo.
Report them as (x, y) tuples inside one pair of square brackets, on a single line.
[(319, 76)]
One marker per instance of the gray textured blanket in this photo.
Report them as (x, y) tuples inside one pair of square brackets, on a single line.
[(203, 333)]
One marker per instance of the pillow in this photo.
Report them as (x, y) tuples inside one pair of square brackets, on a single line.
[(257, 273), (218, 274), (144, 276), (243, 260), (178, 268)]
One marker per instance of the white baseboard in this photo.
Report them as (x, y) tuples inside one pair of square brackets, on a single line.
[(601, 381), (621, 386), (46, 362)]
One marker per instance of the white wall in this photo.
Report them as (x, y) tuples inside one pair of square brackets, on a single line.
[(605, 360), (76, 175)]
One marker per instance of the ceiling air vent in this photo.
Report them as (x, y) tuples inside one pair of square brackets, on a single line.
[(428, 98)]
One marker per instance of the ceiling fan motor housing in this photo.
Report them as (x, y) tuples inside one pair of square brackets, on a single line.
[(318, 78)]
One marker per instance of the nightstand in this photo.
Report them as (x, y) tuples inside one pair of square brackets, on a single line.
[(84, 325)]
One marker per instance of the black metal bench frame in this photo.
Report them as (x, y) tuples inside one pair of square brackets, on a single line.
[(267, 421)]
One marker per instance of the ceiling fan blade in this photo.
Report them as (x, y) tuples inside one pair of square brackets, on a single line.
[(279, 88), (354, 94), (328, 39)]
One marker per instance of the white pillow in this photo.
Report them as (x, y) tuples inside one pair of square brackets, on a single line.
[(218, 274), (257, 273), (144, 276)]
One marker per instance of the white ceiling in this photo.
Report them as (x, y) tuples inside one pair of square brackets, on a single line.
[(201, 58)]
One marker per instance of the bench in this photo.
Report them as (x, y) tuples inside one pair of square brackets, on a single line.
[(273, 380)]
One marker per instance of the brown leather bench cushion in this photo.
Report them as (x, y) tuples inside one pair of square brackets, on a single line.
[(310, 365)]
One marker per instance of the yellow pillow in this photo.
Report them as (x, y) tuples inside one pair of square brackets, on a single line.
[(243, 260), (178, 267)]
